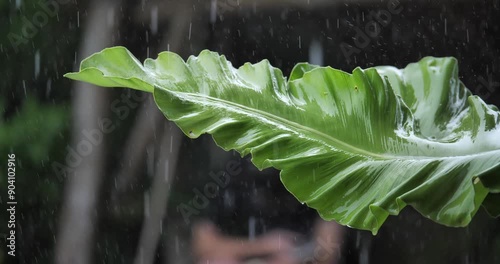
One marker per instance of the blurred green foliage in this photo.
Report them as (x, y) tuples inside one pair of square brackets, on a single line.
[(40, 124), (34, 123), (38, 190)]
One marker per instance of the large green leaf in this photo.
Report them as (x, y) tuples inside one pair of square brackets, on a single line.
[(356, 147)]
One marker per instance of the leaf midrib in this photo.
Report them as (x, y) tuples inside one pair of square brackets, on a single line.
[(265, 116)]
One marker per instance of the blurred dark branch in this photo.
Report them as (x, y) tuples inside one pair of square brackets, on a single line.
[(169, 149), (149, 118), (156, 207), (146, 127), (76, 231)]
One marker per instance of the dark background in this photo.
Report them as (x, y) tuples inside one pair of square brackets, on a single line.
[(44, 115)]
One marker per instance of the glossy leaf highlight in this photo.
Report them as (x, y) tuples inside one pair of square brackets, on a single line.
[(356, 147)]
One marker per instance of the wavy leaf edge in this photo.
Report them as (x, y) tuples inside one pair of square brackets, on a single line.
[(144, 77)]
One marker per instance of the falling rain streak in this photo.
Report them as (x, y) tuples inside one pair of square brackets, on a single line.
[(111, 181)]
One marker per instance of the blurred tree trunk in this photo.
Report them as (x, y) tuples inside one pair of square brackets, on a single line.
[(75, 240)]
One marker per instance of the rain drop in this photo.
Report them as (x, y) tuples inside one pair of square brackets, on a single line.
[(37, 63), (154, 20)]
